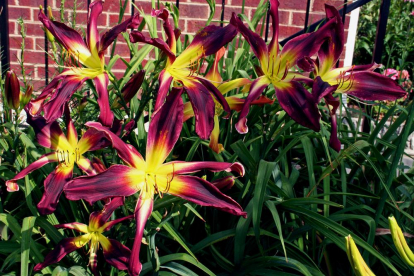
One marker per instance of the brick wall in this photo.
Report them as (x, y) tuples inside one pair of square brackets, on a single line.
[(193, 14)]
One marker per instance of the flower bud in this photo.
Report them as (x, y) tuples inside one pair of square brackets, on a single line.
[(27, 96), (131, 88), (82, 104), (357, 262), (400, 242), (12, 90)]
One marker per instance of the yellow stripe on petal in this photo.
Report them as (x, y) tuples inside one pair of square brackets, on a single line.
[(233, 84), (214, 137)]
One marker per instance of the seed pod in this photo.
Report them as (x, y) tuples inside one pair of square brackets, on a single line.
[(357, 262), (12, 90)]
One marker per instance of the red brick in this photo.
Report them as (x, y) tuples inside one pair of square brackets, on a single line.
[(247, 3), (113, 6), (81, 5), (319, 5), (298, 19), (12, 28), (194, 11), (122, 50), (34, 29), (81, 18), (285, 31), (16, 12), (144, 5), (194, 26), (15, 42), (31, 3), (227, 13), (34, 57)]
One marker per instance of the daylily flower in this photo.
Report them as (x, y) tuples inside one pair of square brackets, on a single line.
[(275, 65), (151, 176), (359, 81), (88, 63), (115, 253), (66, 150), (131, 88), (234, 103), (182, 69)]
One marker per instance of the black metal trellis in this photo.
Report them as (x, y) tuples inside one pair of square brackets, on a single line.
[(4, 36), (378, 47), (46, 50)]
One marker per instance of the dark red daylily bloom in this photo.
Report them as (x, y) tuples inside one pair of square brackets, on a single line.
[(115, 253), (235, 103), (275, 65), (359, 81), (131, 88), (89, 61), (151, 176), (182, 69), (66, 150)]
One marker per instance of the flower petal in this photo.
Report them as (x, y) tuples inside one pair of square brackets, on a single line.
[(225, 183), (131, 88), (258, 45), (86, 165), (77, 226), (274, 43), (102, 217), (333, 140), (35, 106), (54, 108), (71, 133), (213, 74), (108, 37), (164, 129), (181, 167), (142, 212), (233, 84), (116, 254), (371, 86), (106, 117), (119, 181), (164, 80), (92, 33), (332, 48), (64, 247), (92, 140), (137, 36), (48, 135), (214, 136), (298, 104), (188, 111), (256, 89), (216, 93), (171, 38), (70, 39), (43, 160), (54, 184), (306, 44), (321, 89), (206, 42), (127, 153), (203, 107), (201, 192)]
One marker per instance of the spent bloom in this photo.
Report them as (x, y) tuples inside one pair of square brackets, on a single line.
[(151, 176)]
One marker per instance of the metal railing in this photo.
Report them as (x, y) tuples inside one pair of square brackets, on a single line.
[(347, 8)]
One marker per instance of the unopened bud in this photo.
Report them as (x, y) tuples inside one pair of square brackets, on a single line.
[(400, 243), (82, 104), (12, 90), (357, 262), (225, 183), (131, 88), (27, 96)]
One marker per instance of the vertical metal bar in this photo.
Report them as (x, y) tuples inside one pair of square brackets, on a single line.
[(267, 23), (381, 29), (344, 11), (223, 3), (89, 3), (307, 16), (4, 35), (133, 7), (177, 3), (46, 50)]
